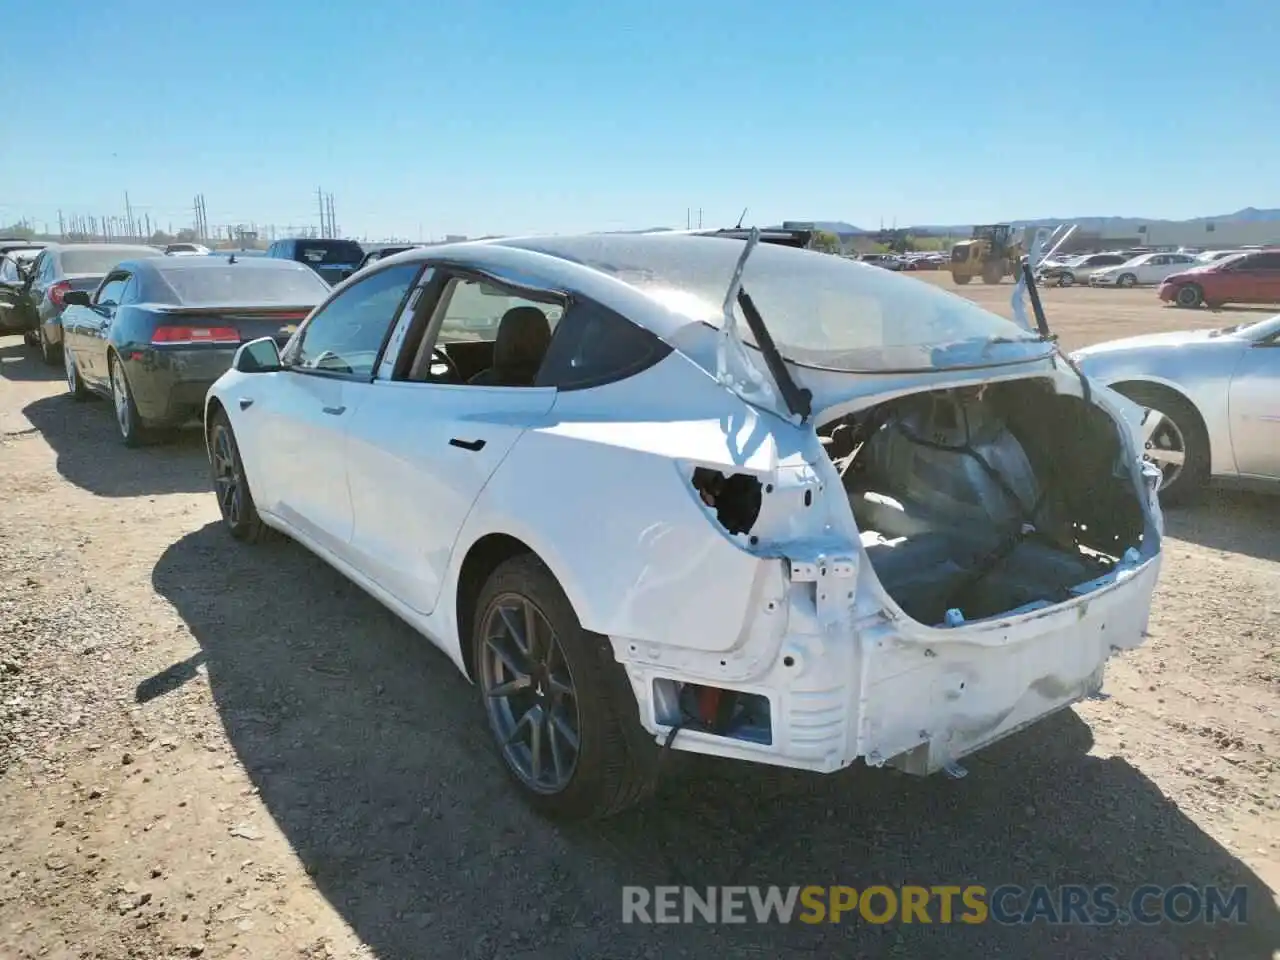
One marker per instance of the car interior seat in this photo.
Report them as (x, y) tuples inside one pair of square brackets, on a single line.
[(523, 336)]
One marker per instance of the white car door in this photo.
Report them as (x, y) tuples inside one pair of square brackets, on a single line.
[(1150, 269), (427, 440), (1170, 263), (294, 424), (1255, 410)]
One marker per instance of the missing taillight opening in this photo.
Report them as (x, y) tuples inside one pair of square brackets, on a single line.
[(734, 714), (735, 498)]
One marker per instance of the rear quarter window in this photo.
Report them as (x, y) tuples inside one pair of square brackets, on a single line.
[(593, 346)]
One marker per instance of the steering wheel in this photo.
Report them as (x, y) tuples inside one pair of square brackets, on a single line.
[(441, 359)]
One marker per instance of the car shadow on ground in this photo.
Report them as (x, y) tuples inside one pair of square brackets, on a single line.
[(87, 444), (21, 363), (370, 752), (1234, 521)]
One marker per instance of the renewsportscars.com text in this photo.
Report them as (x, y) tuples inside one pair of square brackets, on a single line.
[(941, 904)]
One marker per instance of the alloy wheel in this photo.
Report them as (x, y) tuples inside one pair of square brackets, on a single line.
[(69, 364), (530, 696), (228, 484), (1163, 445), (120, 398)]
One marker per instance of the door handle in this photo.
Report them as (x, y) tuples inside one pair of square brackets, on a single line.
[(246, 403), (472, 445), (335, 411)]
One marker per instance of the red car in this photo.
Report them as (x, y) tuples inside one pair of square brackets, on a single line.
[(1244, 278)]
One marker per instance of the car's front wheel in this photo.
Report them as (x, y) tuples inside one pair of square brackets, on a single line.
[(1188, 295), (1066, 279), (1174, 438), (559, 707), (1127, 280), (235, 501)]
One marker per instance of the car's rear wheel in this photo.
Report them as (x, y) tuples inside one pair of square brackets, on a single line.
[(1188, 295), (1174, 438), (75, 386), (50, 353), (559, 706), (128, 422), (235, 501)]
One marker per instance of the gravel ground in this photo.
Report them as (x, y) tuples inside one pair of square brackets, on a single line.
[(207, 750)]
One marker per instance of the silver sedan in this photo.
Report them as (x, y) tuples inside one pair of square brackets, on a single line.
[(1211, 401)]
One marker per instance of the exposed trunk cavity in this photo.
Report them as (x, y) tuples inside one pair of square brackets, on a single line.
[(982, 501)]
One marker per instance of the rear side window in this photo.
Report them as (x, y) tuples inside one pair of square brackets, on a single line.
[(593, 346)]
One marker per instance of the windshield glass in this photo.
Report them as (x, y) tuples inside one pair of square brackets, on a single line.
[(246, 285), (822, 310), (328, 252), (98, 260)]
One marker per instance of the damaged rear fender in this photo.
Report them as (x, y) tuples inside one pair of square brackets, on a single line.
[(650, 561)]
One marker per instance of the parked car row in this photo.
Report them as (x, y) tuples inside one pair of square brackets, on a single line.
[(34, 294), (906, 261), (1213, 278)]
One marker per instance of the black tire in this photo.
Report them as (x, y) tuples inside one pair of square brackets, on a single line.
[(961, 278), (1190, 483), (239, 516), (129, 425), (1126, 280), (1188, 296), (50, 353), (1066, 279), (75, 383), (616, 762), (992, 272)]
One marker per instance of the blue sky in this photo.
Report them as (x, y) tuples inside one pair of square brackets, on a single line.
[(514, 117)]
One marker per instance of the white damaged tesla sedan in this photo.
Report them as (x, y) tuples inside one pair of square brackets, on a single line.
[(702, 494)]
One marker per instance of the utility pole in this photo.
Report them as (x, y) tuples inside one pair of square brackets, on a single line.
[(333, 223), (62, 230), (128, 214), (699, 218), (688, 218), (323, 215)]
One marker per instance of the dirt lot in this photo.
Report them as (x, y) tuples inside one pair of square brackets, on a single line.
[(207, 750)]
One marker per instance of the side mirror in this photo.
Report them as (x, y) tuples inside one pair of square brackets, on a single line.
[(257, 356), (77, 298)]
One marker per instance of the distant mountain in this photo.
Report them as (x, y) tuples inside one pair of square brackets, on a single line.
[(1247, 215), (1086, 224), (838, 227)]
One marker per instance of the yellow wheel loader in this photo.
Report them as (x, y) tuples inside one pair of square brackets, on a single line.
[(991, 253)]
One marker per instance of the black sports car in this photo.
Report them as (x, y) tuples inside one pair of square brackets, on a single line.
[(158, 331)]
